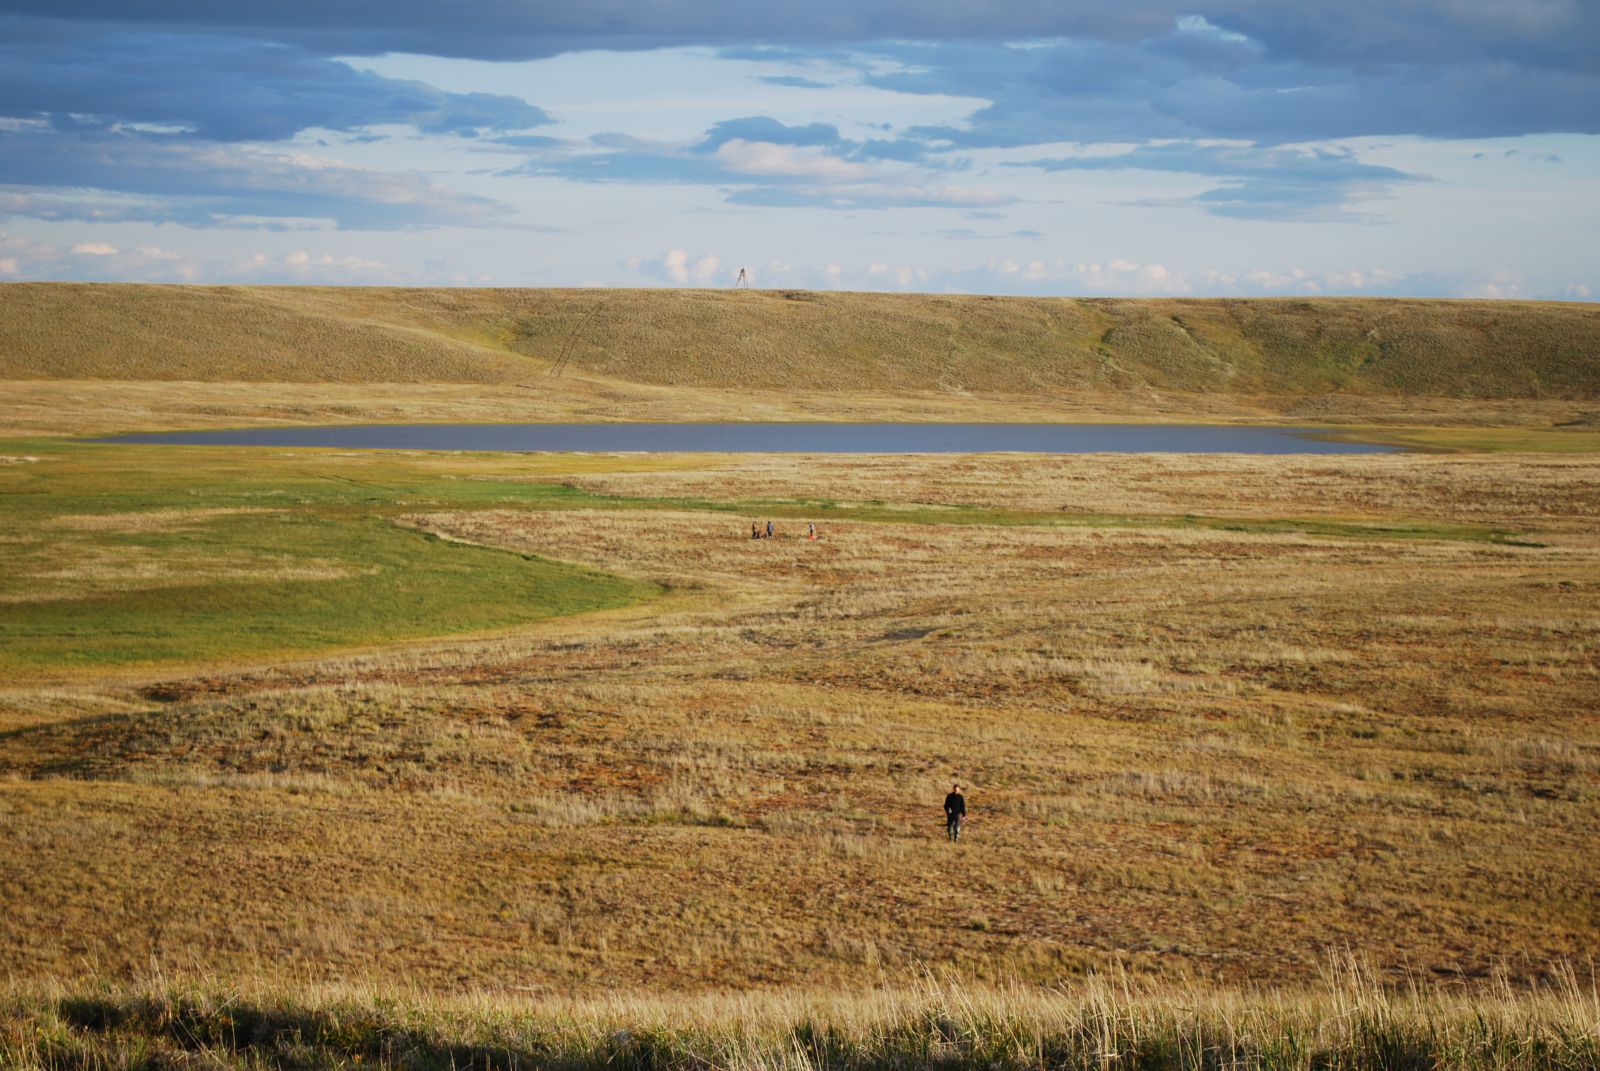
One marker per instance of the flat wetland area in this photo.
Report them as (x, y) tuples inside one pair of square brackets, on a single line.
[(322, 758)]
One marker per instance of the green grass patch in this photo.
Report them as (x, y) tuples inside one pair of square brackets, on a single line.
[(131, 555), (370, 582), (122, 557)]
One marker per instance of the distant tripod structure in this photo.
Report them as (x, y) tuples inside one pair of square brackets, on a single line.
[(743, 280)]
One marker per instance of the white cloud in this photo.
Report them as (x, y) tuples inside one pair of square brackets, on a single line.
[(1503, 285), (1276, 280), (1116, 277), (704, 270), (30, 259), (676, 267), (1199, 25), (327, 266), (676, 264), (765, 158)]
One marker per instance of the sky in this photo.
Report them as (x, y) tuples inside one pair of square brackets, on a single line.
[(1437, 148)]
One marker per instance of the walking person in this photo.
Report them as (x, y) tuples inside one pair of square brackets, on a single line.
[(769, 529), (755, 530), (811, 530), (955, 812)]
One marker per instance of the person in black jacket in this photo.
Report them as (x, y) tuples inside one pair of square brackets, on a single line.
[(955, 809)]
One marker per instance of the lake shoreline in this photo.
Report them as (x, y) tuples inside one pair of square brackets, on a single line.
[(789, 437)]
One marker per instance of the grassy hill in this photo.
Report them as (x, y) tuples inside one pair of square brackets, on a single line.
[(803, 340)]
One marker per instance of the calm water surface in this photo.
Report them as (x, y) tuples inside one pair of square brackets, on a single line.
[(788, 438)]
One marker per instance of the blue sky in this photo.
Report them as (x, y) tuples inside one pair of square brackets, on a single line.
[(1408, 147)]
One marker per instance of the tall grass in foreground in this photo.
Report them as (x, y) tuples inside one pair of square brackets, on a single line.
[(1351, 1022)]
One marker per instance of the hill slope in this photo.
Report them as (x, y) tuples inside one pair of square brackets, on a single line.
[(802, 340)]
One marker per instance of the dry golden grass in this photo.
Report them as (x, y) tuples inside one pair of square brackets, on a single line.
[(798, 340), (67, 558), (160, 520), (1551, 493), (62, 407), (1350, 1020), (1196, 753), (77, 407), (78, 358), (135, 332)]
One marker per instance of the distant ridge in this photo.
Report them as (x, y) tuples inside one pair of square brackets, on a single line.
[(802, 340)]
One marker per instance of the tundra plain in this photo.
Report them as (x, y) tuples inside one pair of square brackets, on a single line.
[(358, 747), (1217, 715)]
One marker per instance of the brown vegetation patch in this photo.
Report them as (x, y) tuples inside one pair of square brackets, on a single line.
[(1200, 753), (165, 520), (1518, 492)]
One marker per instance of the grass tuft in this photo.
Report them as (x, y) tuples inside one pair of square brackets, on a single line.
[(1103, 1023)]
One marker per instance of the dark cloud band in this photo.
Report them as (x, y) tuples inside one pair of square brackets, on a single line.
[(121, 176), (1535, 33), (222, 88)]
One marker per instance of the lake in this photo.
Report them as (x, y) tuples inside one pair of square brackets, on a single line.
[(787, 438)]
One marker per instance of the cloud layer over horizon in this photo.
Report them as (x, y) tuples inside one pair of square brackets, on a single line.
[(1195, 137)]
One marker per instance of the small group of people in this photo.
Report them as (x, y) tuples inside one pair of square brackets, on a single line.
[(771, 531)]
